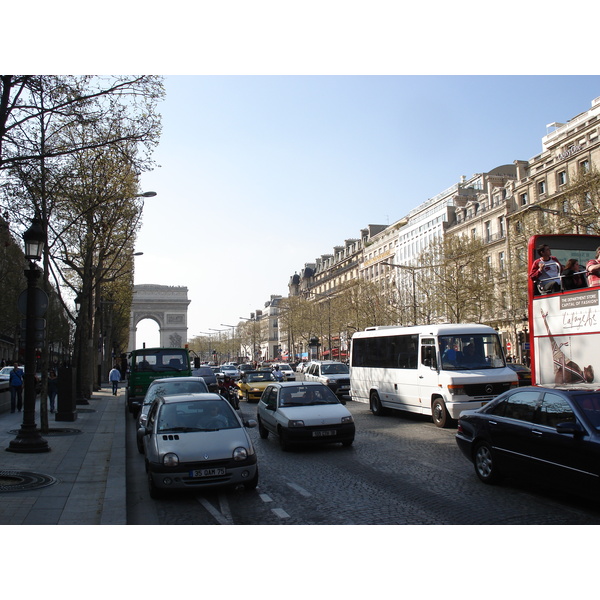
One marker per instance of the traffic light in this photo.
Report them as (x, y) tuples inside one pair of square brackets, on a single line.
[(521, 337)]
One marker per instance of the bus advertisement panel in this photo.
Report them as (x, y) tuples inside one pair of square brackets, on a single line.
[(564, 323)]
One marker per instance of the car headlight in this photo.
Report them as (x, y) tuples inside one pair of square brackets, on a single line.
[(456, 390), (240, 453), (170, 460), (296, 423), (349, 419)]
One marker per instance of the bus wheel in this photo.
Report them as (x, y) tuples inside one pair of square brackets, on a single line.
[(439, 413), (375, 404)]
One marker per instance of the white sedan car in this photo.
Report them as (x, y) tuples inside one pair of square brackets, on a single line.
[(304, 412)]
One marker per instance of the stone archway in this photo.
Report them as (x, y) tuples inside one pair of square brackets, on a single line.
[(166, 305)]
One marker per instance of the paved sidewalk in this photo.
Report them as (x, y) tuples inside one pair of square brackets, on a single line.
[(81, 481)]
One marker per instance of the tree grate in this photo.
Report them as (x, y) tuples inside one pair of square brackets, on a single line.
[(18, 481)]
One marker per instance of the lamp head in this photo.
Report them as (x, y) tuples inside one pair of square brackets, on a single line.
[(34, 238)]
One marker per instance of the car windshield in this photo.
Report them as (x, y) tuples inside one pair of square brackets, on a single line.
[(262, 376), (306, 395), (173, 388), (335, 369), (473, 351), (183, 417)]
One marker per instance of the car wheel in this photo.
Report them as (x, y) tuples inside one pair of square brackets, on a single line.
[(251, 485), (140, 446), (284, 444), (348, 442), (440, 414), (262, 431), (485, 467), (155, 493), (375, 404)]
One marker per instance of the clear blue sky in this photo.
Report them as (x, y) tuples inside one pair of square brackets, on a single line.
[(261, 174)]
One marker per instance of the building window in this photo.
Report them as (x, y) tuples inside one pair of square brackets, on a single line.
[(523, 198), (501, 227), (584, 166), (541, 187), (488, 231), (501, 261), (562, 178)]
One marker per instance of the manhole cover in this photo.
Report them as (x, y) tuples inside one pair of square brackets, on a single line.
[(53, 431), (18, 481)]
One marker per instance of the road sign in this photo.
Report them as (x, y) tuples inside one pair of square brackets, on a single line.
[(40, 302)]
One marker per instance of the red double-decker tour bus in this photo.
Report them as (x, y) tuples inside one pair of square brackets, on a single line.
[(564, 314)]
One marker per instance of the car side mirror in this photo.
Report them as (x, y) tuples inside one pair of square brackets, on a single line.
[(250, 423), (572, 427)]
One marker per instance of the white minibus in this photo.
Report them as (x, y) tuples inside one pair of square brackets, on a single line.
[(437, 370)]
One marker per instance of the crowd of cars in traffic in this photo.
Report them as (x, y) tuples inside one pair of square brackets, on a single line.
[(193, 438)]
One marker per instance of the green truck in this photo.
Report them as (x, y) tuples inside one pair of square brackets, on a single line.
[(147, 364)]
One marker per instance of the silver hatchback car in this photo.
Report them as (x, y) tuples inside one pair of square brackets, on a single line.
[(169, 386), (196, 441)]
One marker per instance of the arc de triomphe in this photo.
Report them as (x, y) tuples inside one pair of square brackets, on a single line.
[(166, 305)]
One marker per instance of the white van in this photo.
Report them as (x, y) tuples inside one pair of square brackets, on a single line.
[(437, 370)]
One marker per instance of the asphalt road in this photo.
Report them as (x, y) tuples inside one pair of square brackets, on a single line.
[(401, 470)]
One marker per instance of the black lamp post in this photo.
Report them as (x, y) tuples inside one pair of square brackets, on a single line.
[(28, 439)]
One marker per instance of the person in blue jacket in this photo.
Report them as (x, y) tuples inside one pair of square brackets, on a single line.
[(15, 380)]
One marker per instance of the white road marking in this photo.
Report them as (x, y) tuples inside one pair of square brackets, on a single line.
[(280, 513), (221, 518), (299, 489), (266, 498), (224, 506)]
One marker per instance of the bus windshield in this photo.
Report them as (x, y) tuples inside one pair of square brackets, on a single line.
[(470, 352)]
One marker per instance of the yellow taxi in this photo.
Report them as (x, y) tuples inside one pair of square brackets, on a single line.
[(253, 383)]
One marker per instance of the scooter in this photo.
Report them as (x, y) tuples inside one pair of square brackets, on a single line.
[(231, 395)]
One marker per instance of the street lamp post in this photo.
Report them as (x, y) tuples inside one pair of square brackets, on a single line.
[(232, 339), (219, 331), (253, 320), (29, 440)]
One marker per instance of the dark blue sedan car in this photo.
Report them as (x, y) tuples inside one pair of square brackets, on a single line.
[(536, 432)]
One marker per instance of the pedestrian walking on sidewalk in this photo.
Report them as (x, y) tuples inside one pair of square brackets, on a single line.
[(15, 380), (52, 389), (114, 377)]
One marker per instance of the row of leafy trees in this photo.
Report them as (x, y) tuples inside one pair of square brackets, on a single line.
[(72, 149)]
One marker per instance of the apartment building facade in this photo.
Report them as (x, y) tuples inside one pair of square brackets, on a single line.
[(502, 207)]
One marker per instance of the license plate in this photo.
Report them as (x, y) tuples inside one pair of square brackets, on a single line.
[(324, 433), (208, 472)]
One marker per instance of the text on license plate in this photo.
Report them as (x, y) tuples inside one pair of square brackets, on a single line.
[(216, 472), (324, 433)]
